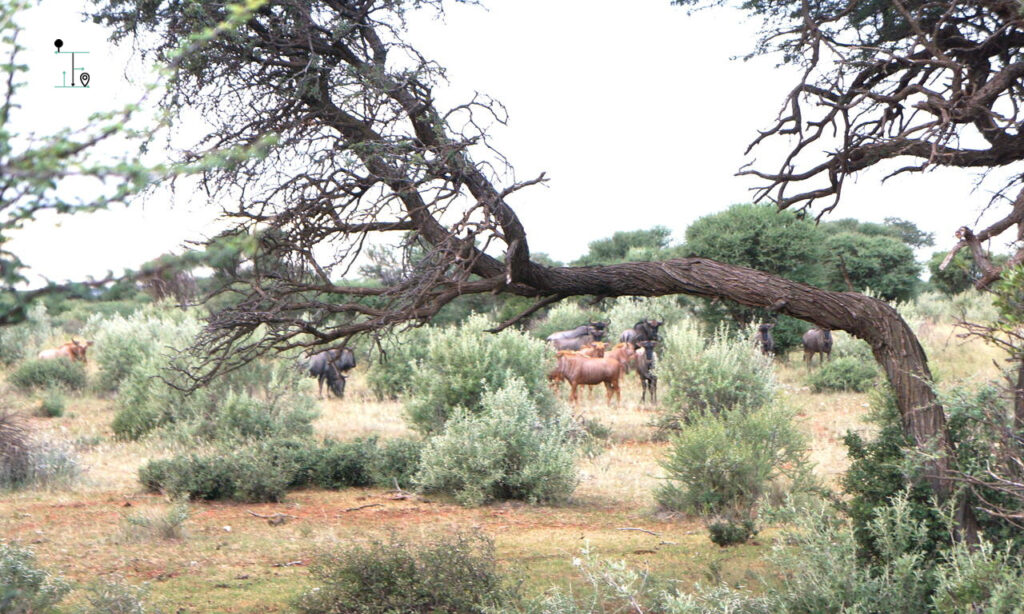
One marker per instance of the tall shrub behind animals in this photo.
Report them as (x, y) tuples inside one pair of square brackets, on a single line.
[(723, 373), (625, 311), (565, 316)]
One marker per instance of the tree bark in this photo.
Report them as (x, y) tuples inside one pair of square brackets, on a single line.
[(1018, 398)]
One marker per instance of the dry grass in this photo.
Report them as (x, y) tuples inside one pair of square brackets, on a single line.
[(232, 561)]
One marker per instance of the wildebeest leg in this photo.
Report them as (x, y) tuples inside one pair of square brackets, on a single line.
[(653, 384)]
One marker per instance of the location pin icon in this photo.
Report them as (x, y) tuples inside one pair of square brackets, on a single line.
[(58, 43), (84, 78)]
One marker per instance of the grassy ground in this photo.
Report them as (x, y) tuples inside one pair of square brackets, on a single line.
[(232, 560)]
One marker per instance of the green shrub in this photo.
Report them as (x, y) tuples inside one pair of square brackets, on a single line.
[(846, 345), (722, 466), (114, 597), (818, 568), (848, 374), (240, 476), (729, 533), (52, 404), (42, 374), (265, 398), (25, 588), (457, 574), (261, 400), (265, 470), (396, 462), (724, 374), (888, 466), (979, 579), (625, 311), (126, 344), (134, 422), (391, 376), (464, 362), (509, 451), (345, 464)]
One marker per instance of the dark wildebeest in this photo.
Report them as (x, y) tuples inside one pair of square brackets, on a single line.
[(817, 341), (644, 330), (578, 337), (331, 365), (765, 339), (645, 369)]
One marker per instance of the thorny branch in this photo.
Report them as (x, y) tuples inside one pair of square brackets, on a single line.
[(937, 82)]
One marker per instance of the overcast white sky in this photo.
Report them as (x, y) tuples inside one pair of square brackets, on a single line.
[(635, 111)]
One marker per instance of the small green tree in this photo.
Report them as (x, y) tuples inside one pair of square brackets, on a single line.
[(626, 246), (882, 263), (762, 238)]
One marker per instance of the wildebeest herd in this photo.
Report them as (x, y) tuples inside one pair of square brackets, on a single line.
[(585, 360)]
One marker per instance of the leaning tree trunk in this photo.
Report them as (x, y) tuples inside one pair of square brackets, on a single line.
[(894, 345)]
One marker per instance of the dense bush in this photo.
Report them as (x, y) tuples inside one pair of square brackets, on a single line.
[(511, 450), (847, 374), (126, 344), (463, 363), (52, 404), (888, 466), (456, 574), (721, 466), (240, 476), (344, 464), (815, 569), (623, 312), (265, 470), (391, 376), (731, 532), (41, 374), (25, 588), (396, 462), (725, 373), (845, 345)]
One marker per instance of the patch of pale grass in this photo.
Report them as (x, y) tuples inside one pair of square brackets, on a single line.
[(624, 474), (165, 522), (955, 360), (629, 421), (360, 414)]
